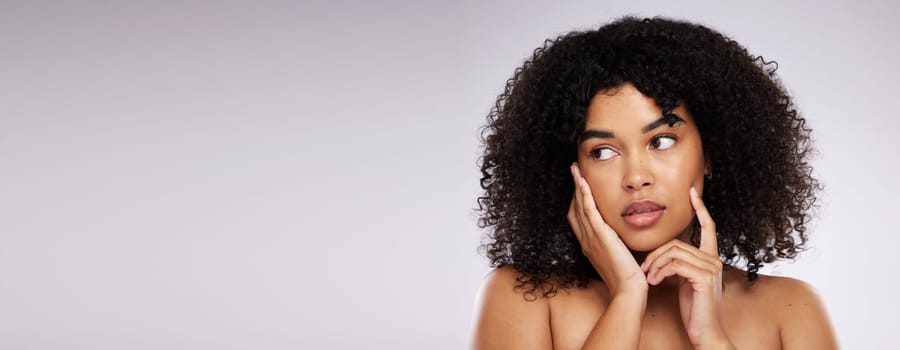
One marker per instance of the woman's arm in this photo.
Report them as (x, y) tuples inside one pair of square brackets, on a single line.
[(620, 325)]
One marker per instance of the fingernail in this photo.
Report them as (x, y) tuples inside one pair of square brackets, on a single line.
[(693, 191)]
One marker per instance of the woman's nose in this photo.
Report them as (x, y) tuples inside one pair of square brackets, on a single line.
[(637, 176)]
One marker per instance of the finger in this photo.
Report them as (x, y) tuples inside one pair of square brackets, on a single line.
[(680, 253), (577, 183), (701, 279), (678, 250), (584, 199), (648, 260), (595, 220), (587, 197), (572, 217), (708, 241), (577, 213), (592, 222), (651, 258), (576, 197), (576, 172)]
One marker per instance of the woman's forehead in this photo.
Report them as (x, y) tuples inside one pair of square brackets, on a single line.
[(626, 107)]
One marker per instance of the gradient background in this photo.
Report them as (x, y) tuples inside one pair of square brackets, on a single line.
[(287, 175)]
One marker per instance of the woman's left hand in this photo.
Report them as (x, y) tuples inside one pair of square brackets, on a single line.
[(700, 280)]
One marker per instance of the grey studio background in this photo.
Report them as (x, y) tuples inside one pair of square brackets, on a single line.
[(301, 175)]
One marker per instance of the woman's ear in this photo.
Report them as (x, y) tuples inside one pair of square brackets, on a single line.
[(707, 166)]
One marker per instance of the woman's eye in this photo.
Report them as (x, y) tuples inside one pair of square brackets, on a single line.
[(662, 142), (603, 153)]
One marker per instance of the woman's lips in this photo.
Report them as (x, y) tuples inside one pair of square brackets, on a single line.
[(643, 214)]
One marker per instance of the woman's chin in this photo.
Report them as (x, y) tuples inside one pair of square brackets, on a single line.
[(649, 239), (646, 244), (643, 248)]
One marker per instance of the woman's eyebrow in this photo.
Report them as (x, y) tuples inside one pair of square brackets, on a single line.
[(591, 133), (669, 119)]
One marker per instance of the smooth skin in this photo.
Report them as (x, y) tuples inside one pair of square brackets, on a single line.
[(658, 290)]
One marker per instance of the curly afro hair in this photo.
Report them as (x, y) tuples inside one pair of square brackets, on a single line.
[(760, 197)]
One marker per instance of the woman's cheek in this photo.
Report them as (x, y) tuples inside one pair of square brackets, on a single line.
[(602, 190), (606, 210)]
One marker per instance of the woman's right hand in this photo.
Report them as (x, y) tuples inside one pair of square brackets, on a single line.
[(600, 244)]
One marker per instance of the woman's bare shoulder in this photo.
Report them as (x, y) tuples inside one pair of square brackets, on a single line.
[(795, 305), (505, 318), (501, 288), (779, 293)]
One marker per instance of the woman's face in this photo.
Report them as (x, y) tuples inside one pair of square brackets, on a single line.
[(640, 167)]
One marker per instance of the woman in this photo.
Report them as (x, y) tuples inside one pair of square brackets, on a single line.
[(628, 172)]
